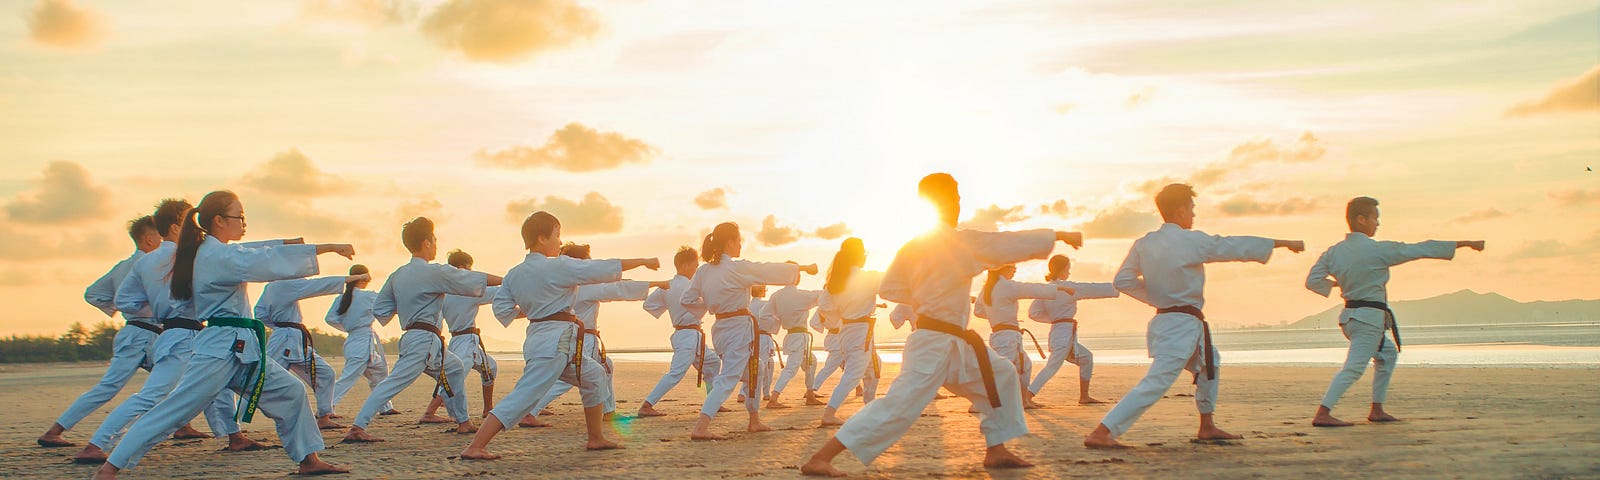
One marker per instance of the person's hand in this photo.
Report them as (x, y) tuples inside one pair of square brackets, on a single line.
[(1295, 246), (652, 263), (811, 268), (344, 250), (1075, 239), (1069, 290), (1475, 245), (661, 284), (357, 278)]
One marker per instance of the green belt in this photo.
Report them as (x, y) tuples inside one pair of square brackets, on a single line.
[(252, 399)]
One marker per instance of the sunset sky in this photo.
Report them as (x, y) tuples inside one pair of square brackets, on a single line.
[(643, 124)]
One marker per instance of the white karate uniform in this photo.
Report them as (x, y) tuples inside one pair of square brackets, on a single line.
[(767, 329), (130, 349), (902, 315), (1166, 268), (363, 351), (685, 342), (829, 323), (1004, 301), (858, 300), (933, 273), (539, 287), (227, 357), (789, 307), (724, 287), (278, 307), (1361, 265), (586, 305), (461, 314), (1061, 312), (416, 292), (147, 290)]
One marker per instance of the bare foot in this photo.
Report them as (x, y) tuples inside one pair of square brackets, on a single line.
[(818, 468), (647, 410), (1102, 441), (326, 423), (315, 466), (91, 455), (831, 420), (465, 428), (241, 443), (1382, 418), (609, 417), (359, 435), (1032, 405), (1327, 420), (187, 432), (1089, 401), (757, 427), (546, 412), (431, 418), (531, 422), (814, 400), (602, 444), (50, 441), (723, 409), (1214, 433), (741, 398), (106, 472), (335, 415), (777, 406), (478, 454), (1000, 457)]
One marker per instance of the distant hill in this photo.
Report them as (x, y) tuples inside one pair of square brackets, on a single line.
[(1467, 307)]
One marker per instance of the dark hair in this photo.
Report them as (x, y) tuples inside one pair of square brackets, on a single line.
[(415, 232), (712, 248), (459, 259), (350, 288), (758, 291), (538, 225), (575, 250), (169, 213), (940, 188), (852, 253), (138, 226), (1172, 197), (1058, 263), (1360, 207), (686, 254), (989, 283), (213, 205)]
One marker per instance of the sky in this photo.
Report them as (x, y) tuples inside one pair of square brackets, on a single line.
[(643, 124)]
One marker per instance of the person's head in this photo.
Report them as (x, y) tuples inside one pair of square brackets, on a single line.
[(169, 217), (1008, 271), (992, 280), (143, 232), (459, 259), (1176, 204), (350, 288), (758, 291), (723, 240), (417, 235), (220, 215), (1362, 215), (687, 260), (541, 233), (1060, 268), (852, 254), (575, 250), (942, 190)]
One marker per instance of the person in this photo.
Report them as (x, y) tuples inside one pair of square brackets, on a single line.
[(1359, 266), (999, 302), (766, 331), (461, 316), (829, 324), (211, 272), (722, 286), (541, 289), (1166, 270), (1060, 312), (853, 294), (130, 348), (147, 290), (789, 308), (416, 292), (689, 347), (290, 343), (363, 350), (933, 273)]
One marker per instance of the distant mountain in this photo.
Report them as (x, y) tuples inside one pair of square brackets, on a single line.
[(1467, 307)]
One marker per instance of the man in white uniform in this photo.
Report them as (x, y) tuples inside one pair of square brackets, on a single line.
[(461, 316), (790, 306)]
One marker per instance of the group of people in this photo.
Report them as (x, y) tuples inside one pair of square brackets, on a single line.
[(207, 350)]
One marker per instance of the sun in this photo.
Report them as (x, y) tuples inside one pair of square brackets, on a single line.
[(897, 219)]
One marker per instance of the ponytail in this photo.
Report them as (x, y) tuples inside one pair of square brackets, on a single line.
[(350, 288), (1058, 265), (988, 285), (716, 243), (212, 206), (852, 253)]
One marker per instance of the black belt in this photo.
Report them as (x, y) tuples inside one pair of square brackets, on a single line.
[(1211, 358), (465, 331), (305, 343), (483, 368), (577, 354), (978, 349), (699, 353), (1005, 327), (183, 323), (434, 329), (1394, 325), (152, 328)]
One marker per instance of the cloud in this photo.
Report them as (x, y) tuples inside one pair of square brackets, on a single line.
[(773, 235), (591, 215), (1061, 208), (1246, 206), (423, 207), (1140, 97), (1120, 222), (1307, 148), (831, 232), (1556, 248), (506, 31), (25, 245), (371, 13), (1581, 94), (291, 174), (573, 148), (1481, 215), (61, 23), (1576, 196), (66, 194), (990, 217), (712, 199)]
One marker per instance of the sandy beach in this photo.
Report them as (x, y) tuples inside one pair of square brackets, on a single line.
[(1486, 422)]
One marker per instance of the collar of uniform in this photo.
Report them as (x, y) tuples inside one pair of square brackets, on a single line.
[(1357, 236), (725, 258), (1173, 226), (210, 239), (535, 257), (416, 260)]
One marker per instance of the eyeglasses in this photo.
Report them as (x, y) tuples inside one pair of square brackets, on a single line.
[(239, 218)]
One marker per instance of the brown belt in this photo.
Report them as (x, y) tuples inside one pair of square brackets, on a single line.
[(466, 331), (833, 331), (867, 345), (1009, 327), (798, 331), (434, 329), (1072, 349), (743, 312), (1191, 310), (699, 353), (979, 350), (604, 360), (577, 354)]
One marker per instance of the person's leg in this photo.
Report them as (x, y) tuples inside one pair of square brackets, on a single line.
[(1364, 339), (130, 349), (378, 371), (1205, 397), (455, 375), (355, 366), (998, 425), (1383, 369), (163, 377), (1058, 356), (1163, 372), (537, 376), (205, 377), (684, 345), (283, 399), (878, 426), (592, 388), (732, 342), (1085, 361), (855, 368), (413, 360)]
